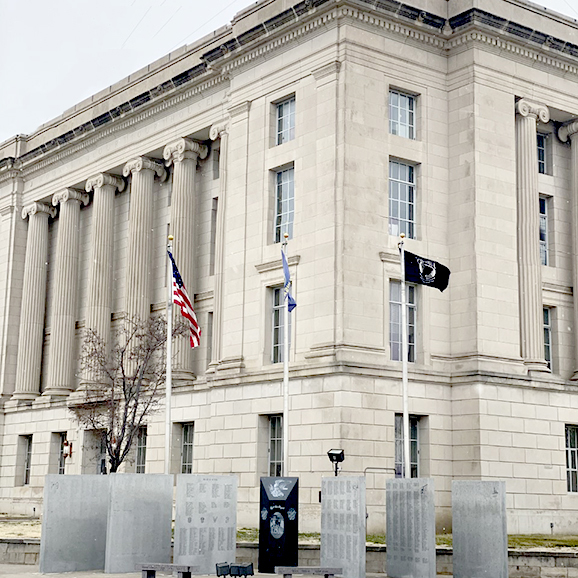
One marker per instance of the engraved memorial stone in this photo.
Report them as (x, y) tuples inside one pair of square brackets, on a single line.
[(279, 523), (205, 521), (480, 536), (410, 511), (139, 521), (74, 523), (343, 524)]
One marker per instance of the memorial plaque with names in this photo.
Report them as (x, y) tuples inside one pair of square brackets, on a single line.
[(343, 524), (411, 540), (139, 521), (74, 523), (205, 521), (480, 535)]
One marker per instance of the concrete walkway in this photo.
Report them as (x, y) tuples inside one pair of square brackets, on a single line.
[(28, 571)]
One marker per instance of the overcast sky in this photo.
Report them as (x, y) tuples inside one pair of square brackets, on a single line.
[(55, 53)]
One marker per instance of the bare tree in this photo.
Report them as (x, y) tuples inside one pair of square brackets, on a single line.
[(125, 382)]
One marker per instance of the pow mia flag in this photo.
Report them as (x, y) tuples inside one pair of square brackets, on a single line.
[(425, 271)]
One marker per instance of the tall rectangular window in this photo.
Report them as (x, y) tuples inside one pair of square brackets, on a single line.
[(548, 335), (27, 459), (213, 240), (413, 448), (542, 153), (284, 204), (276, 445), (285, 121), (61, 458), (208, 336), (401, 114), (187, 448), (544, 231), (141, 450), (278, 325), (395, 335), (401, 199), (572, 458)]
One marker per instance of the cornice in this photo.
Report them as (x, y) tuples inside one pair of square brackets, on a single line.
[(391, 257), (104, 179), (239, 109), (278, 264), (560, 64), (183, 148), (430, 30), (29, 167)]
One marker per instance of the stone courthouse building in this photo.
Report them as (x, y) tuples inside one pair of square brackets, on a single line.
[(343, 123)]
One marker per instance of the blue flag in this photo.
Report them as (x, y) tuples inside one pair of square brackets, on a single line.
[(287, 286)]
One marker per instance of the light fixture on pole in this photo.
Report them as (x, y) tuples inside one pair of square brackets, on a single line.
[(336, 457)]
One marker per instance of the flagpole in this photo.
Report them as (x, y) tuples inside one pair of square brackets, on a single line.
[(168, 375), (285, 372), (404, 356)]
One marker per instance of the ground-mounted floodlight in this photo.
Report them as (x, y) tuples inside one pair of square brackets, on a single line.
[(336, 457)]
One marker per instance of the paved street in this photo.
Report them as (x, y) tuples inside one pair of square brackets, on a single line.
[(26, 571)]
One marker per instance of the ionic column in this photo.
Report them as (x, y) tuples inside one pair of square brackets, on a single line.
[(100, 272), (529, 264), (570, 131), (184, 154), (31, 336), (221, 131), (62, 360), (138, 284)]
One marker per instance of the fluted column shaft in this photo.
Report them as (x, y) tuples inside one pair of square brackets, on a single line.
[(31, 336), (100, 271), (570, 131), (219, 131), (62, 360), (138, 283), (184, 154), (529, 264)]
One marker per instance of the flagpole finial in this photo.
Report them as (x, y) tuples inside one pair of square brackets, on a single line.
[(402, 235), (170, 237)]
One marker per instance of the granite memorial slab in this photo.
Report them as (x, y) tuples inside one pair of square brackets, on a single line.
[(279, 523), (139, 521), (205, 521), (74, 523), (480, 534), (410, 518), (343, 524)]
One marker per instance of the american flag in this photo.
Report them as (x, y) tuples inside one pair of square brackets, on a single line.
[(181, 298)]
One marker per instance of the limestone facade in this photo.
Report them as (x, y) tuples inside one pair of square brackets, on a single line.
[(191, 145)]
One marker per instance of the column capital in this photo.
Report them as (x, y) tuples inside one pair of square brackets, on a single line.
[(526, 107), (102, 179), (38, 208), (69, 195), (139, 163), (568, 130), (218, 129), (182, 149)]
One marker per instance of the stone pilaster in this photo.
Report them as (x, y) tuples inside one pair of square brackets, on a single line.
[(529, 264), (100, 272), (63, 354), (221, 131), (31, 335), (570, 132), (138, 283), (184, 154)]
